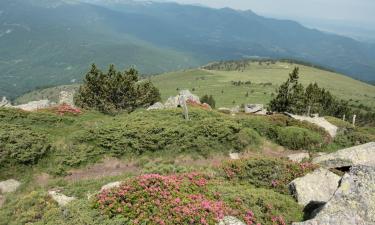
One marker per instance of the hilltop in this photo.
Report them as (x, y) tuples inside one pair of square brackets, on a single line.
[(259, 80)]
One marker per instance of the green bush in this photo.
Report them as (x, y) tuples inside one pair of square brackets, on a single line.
[(298, 138), (245, 138), (142, 132), (266, 172), (21, 145)]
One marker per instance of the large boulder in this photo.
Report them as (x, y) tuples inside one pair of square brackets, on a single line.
[(314, 188), (61, 199), (9, 186), (353, 203), (230, 220), (34, 105), (358, 155)]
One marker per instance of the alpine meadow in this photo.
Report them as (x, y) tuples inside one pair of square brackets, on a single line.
[(184, 112)]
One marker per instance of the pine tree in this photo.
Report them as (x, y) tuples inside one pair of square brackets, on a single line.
[(115, 91)]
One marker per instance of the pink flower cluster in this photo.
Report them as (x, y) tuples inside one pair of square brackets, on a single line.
[(174, 199)]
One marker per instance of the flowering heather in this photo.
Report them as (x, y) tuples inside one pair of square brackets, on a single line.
[(64, 109), (173, 199)]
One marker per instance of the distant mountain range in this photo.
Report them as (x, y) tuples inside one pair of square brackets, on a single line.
[(49, 42)]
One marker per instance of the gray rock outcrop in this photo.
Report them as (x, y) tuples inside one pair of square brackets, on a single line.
[(189, 96), (253, 108), (353, 203), (9, 186), (172, 102), (231, 220), (357, 155), (316, 187), (34, 105)]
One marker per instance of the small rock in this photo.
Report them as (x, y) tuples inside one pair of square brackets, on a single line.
[(9, 186), (234, 156), (230, 220), (357, 155), (111, 185), (61, 199), (353, 203), (4, 102), (156, 106), (318, 186), (224, 110), (298, 157)]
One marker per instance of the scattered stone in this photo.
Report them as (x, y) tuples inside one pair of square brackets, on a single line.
[(35, 105), (156, 106), (353, 203), (319, 121), (66, 97), (230, 220), (357, 155), (253, 108), (4, 102), (318, 187), (235, 109), (234, 156), (9, 186), (298, 157), (111, 185), (224, 110), (61, 199)]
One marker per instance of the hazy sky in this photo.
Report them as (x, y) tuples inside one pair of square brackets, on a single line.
[(357, 12)]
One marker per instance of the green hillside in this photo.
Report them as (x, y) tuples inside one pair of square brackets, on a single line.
[(264, 81)]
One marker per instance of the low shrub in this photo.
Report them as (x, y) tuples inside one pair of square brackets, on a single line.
[(298, 138), (268, 206), (188, 199), (156, 199), (266, 172), (29, 208), (245, 138), (21, 145)]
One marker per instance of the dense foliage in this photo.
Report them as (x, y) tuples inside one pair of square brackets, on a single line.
[(21, 145), (115, 91), (266, 172), (292, 97)]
